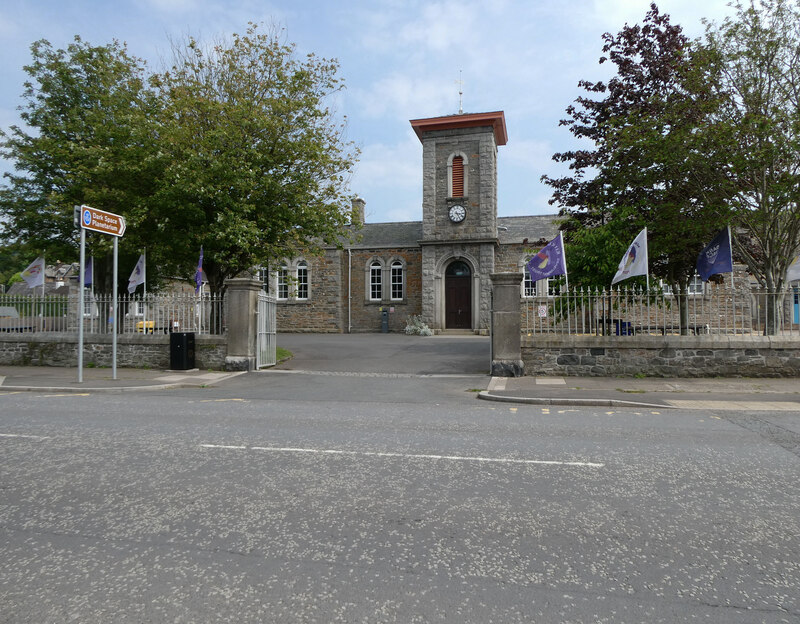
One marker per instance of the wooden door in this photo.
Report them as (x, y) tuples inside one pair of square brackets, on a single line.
[(458, 296)]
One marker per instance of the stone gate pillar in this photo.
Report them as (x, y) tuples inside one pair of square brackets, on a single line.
[(506, 339), (242, 296)]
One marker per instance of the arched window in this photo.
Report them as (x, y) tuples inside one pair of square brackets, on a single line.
[(528, 285), (302, 280), (398, 281), (375, 281), (263, 277)]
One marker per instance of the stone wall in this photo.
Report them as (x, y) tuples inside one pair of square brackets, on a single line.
[(322, 311), (134, 351), (365, 315), (668, 356)]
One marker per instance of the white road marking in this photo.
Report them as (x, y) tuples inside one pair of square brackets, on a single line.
[(486, 460), (23, 436)]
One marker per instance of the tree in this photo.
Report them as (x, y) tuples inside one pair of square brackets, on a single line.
[(86, 108), (652, 162), (233, 149), (255, 164), (759, 85)]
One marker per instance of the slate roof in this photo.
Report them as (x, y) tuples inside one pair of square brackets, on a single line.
[(532, 227), (398, 234), (409, 233)]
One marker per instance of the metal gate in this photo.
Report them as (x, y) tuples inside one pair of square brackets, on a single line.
[(266, 347)]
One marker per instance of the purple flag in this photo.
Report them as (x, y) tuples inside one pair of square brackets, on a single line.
[(198, 275), (550, 260)]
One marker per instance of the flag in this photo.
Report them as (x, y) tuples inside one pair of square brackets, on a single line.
[(550, 260), (634, 262), (793, 272), (198, 274), (34, 274), (716, 256), (87, 271), (137, 276)]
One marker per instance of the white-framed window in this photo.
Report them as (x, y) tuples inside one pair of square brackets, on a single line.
[(398, 281), (264, 278), (375, 281), (528, 285), (696, 286), (302, 280), (553, 287), (283, 283)]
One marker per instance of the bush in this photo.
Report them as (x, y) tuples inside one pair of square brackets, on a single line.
[(415, 326)]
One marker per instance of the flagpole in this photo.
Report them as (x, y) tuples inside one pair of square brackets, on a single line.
[(44, 276), (144, 291), (733, 283), (564, 260), (91, 292), (646, 260)]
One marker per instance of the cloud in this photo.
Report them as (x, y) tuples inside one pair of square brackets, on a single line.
[(391, 171), (172, 6), (613, 15), (405, 96)]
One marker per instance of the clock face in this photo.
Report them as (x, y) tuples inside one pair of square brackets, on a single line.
[(457, 214)]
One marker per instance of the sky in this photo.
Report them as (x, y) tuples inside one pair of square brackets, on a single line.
[(400, 60)]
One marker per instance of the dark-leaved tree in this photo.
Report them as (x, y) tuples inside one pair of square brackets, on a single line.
[(651, 159)]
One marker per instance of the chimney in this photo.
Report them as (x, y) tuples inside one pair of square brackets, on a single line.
[(359, 211)]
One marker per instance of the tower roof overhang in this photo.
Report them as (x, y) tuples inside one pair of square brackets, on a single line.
[(496, 120)]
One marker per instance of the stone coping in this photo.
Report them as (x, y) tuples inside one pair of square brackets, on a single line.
[(89, 338), (564, 341)]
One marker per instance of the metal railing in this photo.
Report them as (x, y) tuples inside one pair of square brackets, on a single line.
[(150, 314), (624, 312), (266, 347)]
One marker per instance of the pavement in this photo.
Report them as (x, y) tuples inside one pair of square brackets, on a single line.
[(739, 393), (712, 393), (65, 379)]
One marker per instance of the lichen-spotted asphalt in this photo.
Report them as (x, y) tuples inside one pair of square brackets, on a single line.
[(174, 508)]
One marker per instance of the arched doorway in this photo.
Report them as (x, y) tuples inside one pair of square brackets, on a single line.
[(458, 296)]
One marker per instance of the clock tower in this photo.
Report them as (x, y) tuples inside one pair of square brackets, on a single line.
[(459, 217)]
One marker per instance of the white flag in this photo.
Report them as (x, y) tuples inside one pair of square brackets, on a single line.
[(137, 276), (793, 272), (34, 274), (634, 262)]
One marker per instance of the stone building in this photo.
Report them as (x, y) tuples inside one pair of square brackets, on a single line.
[(437, 268)]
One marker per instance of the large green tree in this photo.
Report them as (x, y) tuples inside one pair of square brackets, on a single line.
[(650, 161), (759, 85), (234, 148), (255, 163), (85, 141)]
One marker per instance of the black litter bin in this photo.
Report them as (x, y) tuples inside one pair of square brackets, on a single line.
[(181, 350)]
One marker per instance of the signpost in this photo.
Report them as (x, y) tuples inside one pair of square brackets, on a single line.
[(106, 223), (102, 221)]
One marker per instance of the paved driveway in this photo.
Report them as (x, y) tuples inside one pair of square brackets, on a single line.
[(387, 353)]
